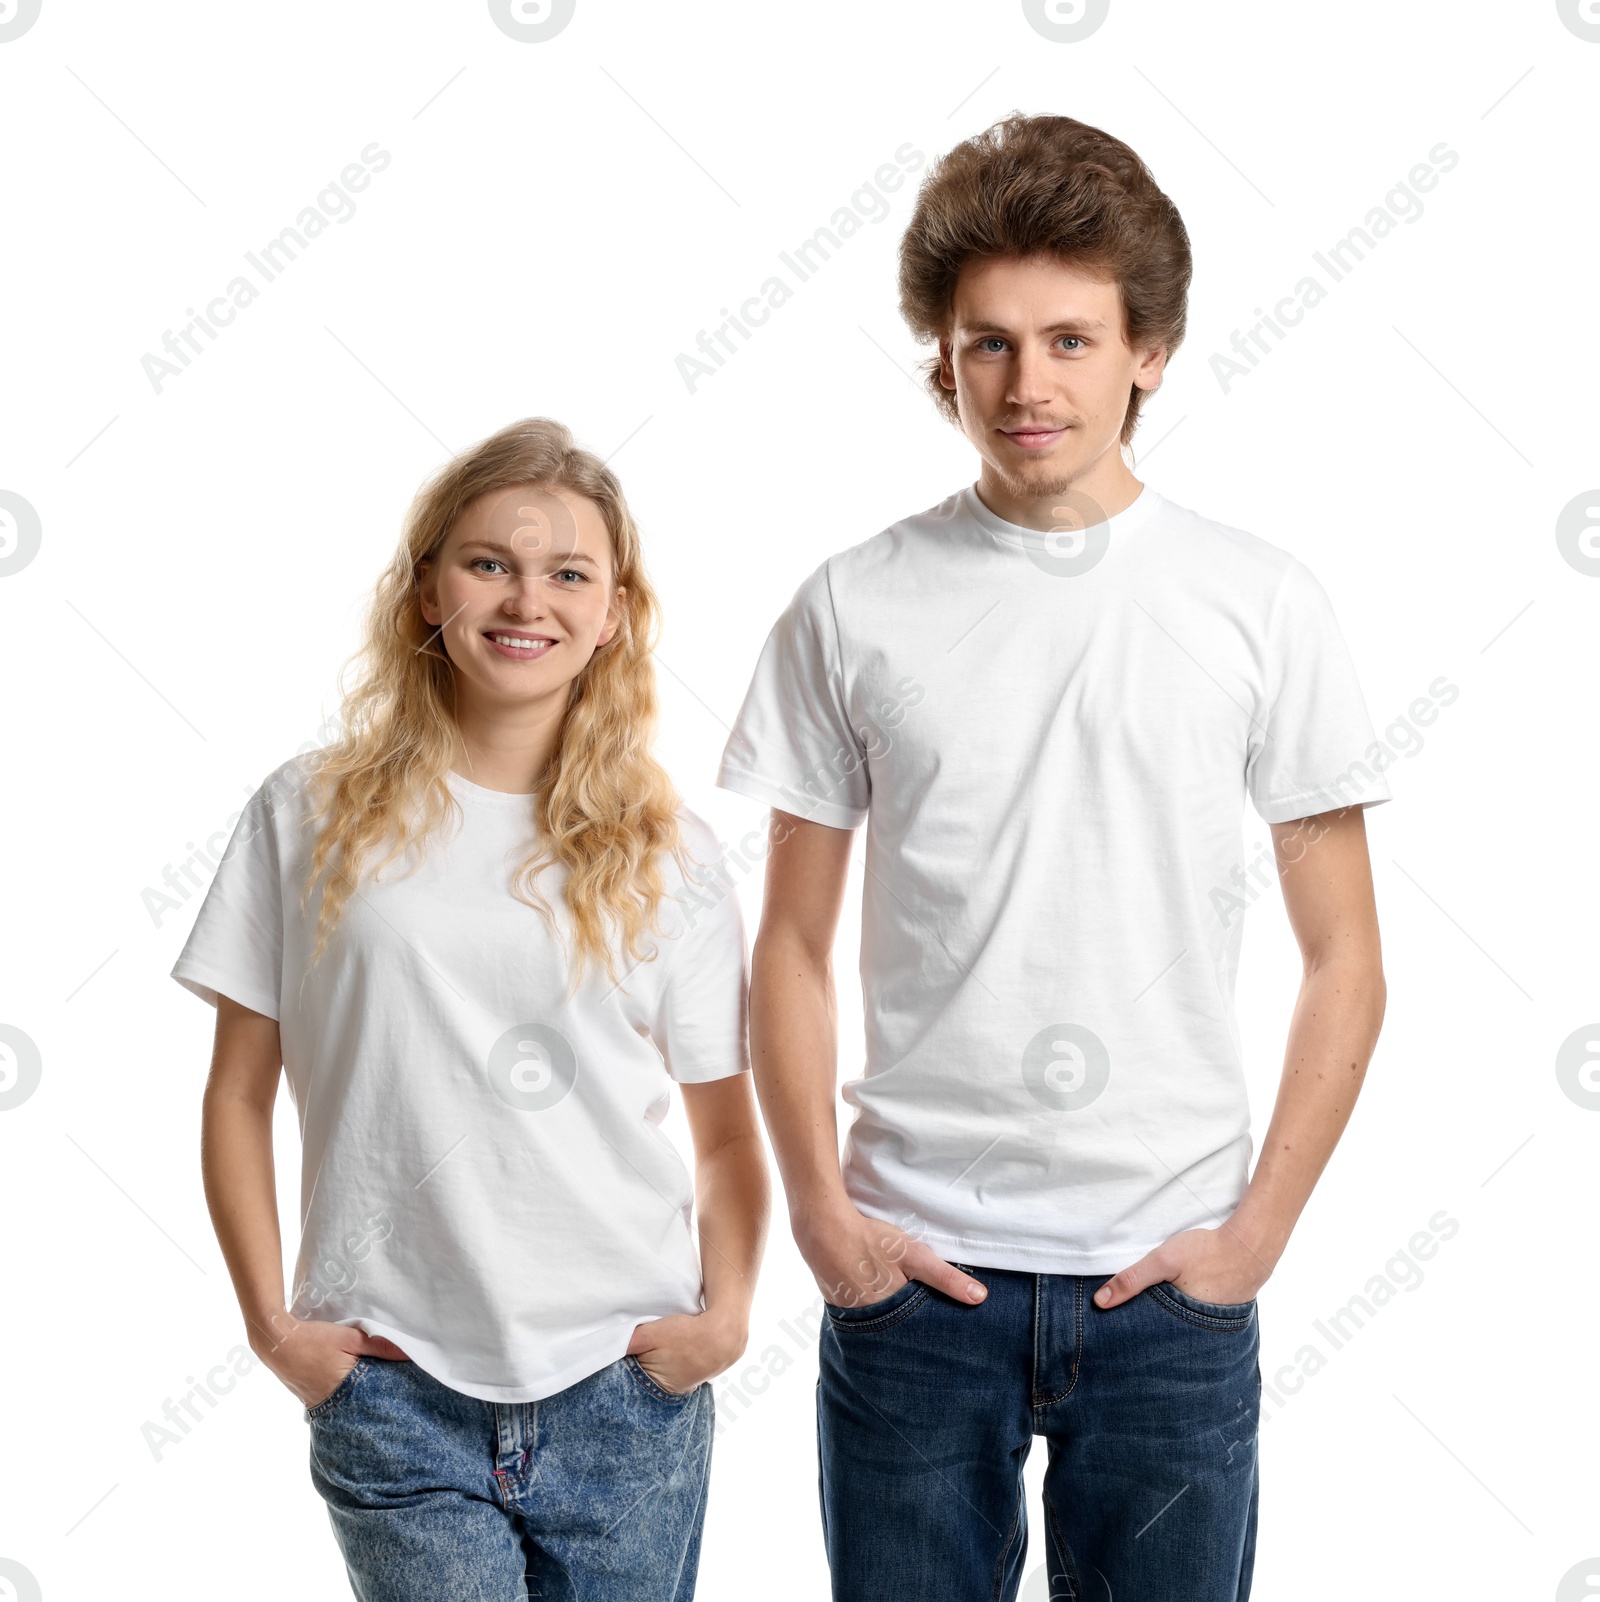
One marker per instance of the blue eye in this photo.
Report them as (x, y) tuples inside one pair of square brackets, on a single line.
[(573, 573), (480, 562)]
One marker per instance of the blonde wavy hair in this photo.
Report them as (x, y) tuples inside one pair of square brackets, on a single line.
[(605, 810)]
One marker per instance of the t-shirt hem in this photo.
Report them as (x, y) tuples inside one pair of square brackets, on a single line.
[(781, 796), (208, 983), (433, 1360), (1023, 1259), (708, 1076)]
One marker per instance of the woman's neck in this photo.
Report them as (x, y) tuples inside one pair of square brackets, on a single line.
[(508, 747)]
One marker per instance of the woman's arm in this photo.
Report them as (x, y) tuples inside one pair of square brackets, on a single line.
[(236, 1164), (732, 1197), (731, 1202)]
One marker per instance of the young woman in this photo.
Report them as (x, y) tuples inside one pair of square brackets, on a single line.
[(479, 934)]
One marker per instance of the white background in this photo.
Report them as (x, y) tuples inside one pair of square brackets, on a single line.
[(558, 222)]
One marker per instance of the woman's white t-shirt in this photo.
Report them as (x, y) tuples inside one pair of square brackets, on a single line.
[(484, 1179), (1050, 737)]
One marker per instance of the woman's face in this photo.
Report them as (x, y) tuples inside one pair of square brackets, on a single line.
[(522, 592)]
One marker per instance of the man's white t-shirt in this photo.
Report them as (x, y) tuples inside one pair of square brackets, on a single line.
[(484, 1179), (1050, 741)]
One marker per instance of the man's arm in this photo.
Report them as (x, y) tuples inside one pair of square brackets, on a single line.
[(793, 1050), (1327, 891)]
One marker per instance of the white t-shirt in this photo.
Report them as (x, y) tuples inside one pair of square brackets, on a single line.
[(484, 1181), (1050, 741)]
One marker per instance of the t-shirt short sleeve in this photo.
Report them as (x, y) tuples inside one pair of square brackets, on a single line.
[(702, 1022), (1312, 741), (236, 946), (792, 744)]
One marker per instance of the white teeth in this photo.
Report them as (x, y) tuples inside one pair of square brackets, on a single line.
[(516, 644)]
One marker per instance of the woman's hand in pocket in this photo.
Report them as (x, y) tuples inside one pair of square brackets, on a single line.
[(680, 1351), (312, 1356)]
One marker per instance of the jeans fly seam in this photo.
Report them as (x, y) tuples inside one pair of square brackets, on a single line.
[(1042, 1402), (1077, 1336), (1038, 1293), (1072, 1378)]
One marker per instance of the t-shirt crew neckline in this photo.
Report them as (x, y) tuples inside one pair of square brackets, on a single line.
[(477, 792), (1118, 524)]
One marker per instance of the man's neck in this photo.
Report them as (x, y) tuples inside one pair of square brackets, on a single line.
[(1103, 489)]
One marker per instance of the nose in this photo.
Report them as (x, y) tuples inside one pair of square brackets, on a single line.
[(524, 598), (1029, 384)]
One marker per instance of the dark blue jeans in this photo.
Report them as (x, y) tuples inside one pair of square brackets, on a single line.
[(595, 1494), (927, 1408)]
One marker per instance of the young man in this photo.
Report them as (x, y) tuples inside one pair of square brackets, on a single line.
[(1046, 697)]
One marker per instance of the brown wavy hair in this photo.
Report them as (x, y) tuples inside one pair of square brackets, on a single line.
[(605, 810), (1031, 186)]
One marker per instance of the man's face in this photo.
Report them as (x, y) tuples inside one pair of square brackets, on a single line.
[(1041, 371)]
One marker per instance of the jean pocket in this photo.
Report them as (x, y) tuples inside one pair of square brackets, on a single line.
[(890, 1309), (339, 1392), (660, 1392), (1213, 1315)]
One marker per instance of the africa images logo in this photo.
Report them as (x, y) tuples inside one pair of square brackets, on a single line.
[(532, 21), (1065, 1067), (20, 533), (16, 17), (532, 1067)]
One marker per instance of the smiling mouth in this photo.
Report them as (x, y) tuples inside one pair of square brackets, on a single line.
[(521, 645)]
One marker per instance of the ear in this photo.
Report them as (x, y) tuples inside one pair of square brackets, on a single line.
[(428, 592), (613, 623), (947, 372), (1152, 368)]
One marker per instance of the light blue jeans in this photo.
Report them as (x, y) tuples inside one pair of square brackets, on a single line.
[(596, 1493)]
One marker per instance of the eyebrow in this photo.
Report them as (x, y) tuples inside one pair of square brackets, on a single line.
[(499, 545), (1072, 325)]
